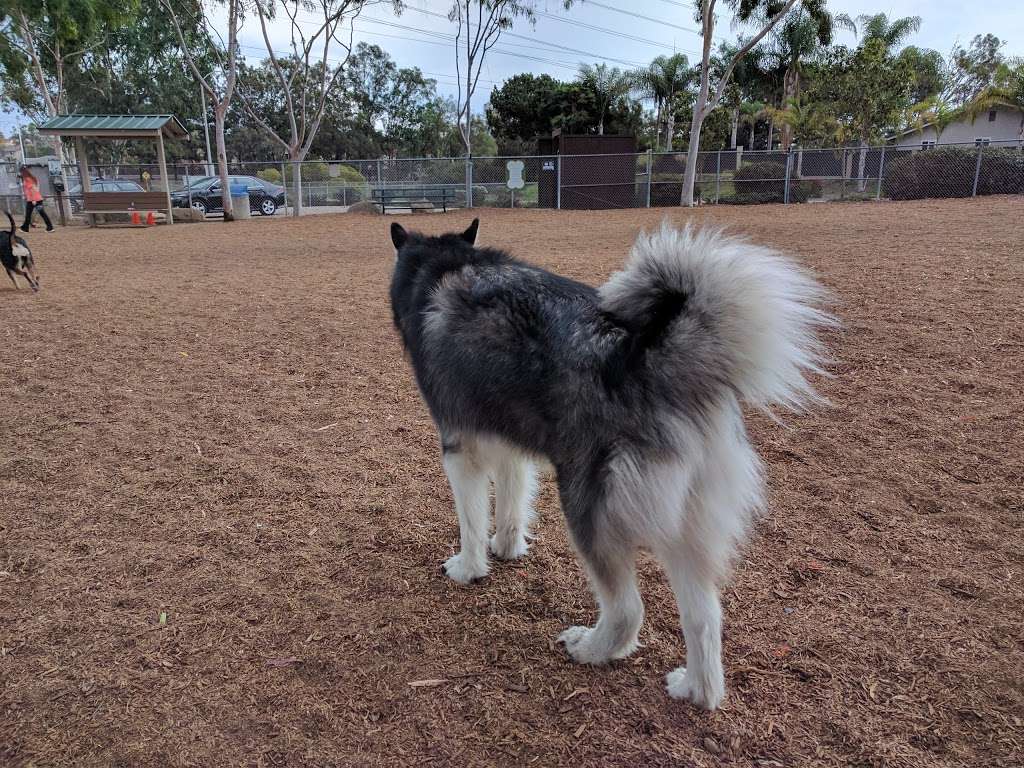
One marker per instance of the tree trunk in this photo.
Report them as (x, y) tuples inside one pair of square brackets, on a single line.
[(297, 191), (735, 125), (219, 111), (658, 128), (699, 113), (771, 133), (670, 129), (789, 93)]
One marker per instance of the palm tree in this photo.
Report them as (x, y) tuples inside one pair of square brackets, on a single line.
[(798, 37), (936, 112), (661, 81), (747, 77), (878, 27), (1006, 94), (750, 114), (608, 85)]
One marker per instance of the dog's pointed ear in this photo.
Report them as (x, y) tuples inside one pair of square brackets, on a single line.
[(398, 235), (470, 234)]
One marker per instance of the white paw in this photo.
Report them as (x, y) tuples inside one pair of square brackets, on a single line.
[(459, 568), (704, 693), (585, 647), (508, 547)]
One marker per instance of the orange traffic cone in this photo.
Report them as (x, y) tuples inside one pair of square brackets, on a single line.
[(135, 217), (150, 219)]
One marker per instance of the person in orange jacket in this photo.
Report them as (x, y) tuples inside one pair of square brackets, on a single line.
[(33, 200)]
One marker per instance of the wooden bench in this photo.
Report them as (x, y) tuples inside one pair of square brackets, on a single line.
[(402, 198), (123, 202)]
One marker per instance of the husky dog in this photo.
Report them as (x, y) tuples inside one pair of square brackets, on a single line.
[(631, 392)]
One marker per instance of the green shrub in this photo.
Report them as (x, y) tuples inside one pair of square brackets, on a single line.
[(766, 183), (949, 172), (311, 171), (270, 174), (349, 175)]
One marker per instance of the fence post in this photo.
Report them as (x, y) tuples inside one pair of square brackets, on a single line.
[(188, 189), (650, 173), (284, 183), (718, 176), (842, 192), (469, 181), (881, 167), (789, 164), (558, 182), (977, 170)]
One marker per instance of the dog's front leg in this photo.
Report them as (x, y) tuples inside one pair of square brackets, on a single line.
[(470, 484)]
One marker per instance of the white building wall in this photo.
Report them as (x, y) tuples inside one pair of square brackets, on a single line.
[(1006, 127)]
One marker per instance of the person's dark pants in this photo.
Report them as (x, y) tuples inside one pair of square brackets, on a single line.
[(29, 208)]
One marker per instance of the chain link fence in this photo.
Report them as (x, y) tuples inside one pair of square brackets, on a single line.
[(573, 182)]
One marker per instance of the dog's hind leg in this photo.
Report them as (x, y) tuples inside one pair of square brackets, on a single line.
[(702, 680), (11, 275), (515, 483), (725, 496), (468, 478), (610, 559), (612, 573)]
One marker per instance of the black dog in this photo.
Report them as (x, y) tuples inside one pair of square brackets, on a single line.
[(16, 257)]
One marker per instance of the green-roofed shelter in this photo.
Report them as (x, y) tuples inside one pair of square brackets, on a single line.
[(81, 127)]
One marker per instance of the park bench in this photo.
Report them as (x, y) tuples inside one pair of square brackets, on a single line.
[(123, 202), (403, 198)]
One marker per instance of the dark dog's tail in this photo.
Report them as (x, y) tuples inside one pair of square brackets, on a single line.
[(706, 312), (10, 219)]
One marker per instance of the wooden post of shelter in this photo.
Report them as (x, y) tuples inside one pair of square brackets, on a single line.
[(83, 170), (163, 174)]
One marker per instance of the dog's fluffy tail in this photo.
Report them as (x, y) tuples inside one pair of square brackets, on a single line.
[(705, 311)]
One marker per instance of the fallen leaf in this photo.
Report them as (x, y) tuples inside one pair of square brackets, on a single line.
[(576, 693), (428, 683), (579, 730)]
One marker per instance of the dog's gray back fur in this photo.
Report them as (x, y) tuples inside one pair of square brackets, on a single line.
[(586, 377)]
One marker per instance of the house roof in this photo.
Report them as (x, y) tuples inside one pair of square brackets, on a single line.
[(114, 126)]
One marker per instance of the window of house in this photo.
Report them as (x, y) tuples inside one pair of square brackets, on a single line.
[(982, 142), (927, 144), (991, 115)]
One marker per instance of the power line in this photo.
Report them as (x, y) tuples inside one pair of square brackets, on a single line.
[(659, 22), (448, 39), (576, 22), (616, 33), (544, 45)]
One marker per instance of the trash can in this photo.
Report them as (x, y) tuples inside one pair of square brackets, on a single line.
[(240, 201)]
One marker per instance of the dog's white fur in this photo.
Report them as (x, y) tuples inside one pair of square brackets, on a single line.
[(691, 514)]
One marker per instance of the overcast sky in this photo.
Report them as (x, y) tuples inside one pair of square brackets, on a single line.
[(421, 36)]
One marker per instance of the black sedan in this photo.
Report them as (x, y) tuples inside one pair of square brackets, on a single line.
[(205, 194)]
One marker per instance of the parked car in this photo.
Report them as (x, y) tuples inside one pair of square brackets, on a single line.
[(101, 185), (205, 194)]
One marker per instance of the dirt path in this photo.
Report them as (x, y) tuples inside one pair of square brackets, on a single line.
[(222, 514)]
